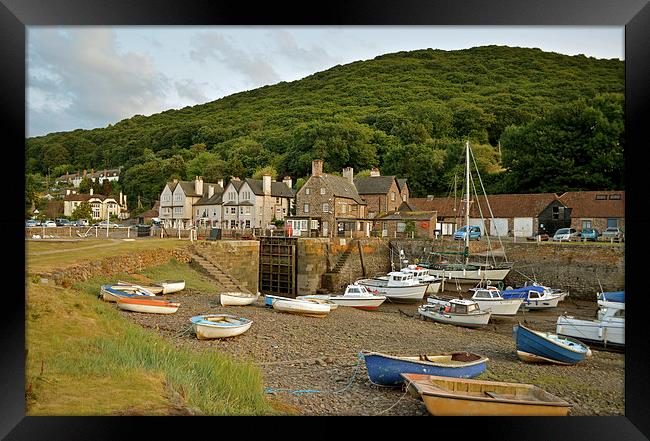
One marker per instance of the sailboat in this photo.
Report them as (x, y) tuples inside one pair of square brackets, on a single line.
[(467, 272)]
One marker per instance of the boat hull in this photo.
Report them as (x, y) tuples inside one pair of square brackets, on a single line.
[(234, 299), (208, 331), (444, 396), (549, 346), (466, 320), (594, 332), (386, 370), (113, 294), (470, 276), (413, 293), (501, 306), (148, 306), (367, 303), (300, 307), (172, 286)]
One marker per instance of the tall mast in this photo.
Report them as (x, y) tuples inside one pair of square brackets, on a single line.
[(467, 196)]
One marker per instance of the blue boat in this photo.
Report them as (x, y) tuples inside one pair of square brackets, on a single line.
[(535, 296), (546, 347), (112, 293), (385, 370)]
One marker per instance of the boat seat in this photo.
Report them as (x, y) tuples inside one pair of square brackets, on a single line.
[(495, 395)]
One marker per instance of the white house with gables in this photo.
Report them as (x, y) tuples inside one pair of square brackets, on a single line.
[(102, 207), (177, 201)]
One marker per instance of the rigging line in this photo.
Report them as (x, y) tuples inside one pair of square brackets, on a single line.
[(487, 236), (488, 203)]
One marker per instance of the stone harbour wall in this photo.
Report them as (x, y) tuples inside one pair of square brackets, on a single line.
[(239, 258), (576, 267)]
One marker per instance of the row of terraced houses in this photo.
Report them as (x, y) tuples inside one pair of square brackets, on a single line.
[(329, 205)]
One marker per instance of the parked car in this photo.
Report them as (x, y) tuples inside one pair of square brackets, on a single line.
[(63, 223), (81, 223), (589, 234), (566, 234), (539, 236), (49, 223), (474, 233), (32, 223), (613, 233), (102, 224)]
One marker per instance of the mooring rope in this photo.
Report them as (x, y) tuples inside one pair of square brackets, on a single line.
[(360, 357), (184, 332)]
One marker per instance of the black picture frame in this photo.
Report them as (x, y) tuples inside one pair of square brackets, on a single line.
[(15, 15)]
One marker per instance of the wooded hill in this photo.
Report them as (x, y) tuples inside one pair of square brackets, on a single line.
[(558, 119)]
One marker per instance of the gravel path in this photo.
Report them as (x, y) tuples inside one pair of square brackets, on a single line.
[(306, 353)]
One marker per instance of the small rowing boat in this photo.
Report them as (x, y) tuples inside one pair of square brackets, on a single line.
[(385, 370), (164, 287), (295, 306), (538, 346), (237, 298), (112, 293), (446, 396), (148, 305), (211, 326)]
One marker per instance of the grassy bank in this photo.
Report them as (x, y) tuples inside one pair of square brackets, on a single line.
[(85, 359)]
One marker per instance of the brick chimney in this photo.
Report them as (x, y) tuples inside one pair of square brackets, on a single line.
[(198, 185), (220, 182), (317, 167), (91, 191), (348, 172), (374, 172), (266, 185), (287, 180)]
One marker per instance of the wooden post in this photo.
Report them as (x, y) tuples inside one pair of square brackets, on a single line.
[(363, 268), (70, 231), (128, 232), (96, 231)]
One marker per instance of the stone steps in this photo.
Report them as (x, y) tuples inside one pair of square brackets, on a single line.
[(225, 280)]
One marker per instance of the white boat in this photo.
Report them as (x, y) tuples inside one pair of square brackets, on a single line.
[(219, 326), (148, 305), (319, 298), (112, 293), (461, 312), (608, 330), (164, 287), (357, 296), (549, 290), (490, 299), (422, 275), (237, 298), (535, 297), (396, 286), (295, 306)]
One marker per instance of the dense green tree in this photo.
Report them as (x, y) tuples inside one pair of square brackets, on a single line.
[(85, 185), (83, 211), (268, 170)]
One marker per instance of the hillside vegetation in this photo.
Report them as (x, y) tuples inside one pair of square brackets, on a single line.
[(530, 116)]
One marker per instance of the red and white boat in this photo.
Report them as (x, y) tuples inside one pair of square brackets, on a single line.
[(151, 306)]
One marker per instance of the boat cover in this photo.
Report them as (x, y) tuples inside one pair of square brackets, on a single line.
[(614, 296)]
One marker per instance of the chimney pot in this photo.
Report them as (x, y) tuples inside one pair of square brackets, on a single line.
[(210, 190), (375, 172), (287, 180), (266, 185), (348, 172), (220, 182), (317, 167)]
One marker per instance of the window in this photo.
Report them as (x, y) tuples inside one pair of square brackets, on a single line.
[(614, 197), (353, 207), (178, 210), (306, 191), (586, 223), (233, 210), (277, 200), (392, 196), (401, 226), (601, 197), (178, 197), (343, 208), (248, 223), (306, 208), (241, 210), (326, 207), (233, 224), (612, 223), (284, 211), (248, 210), (322, 190)]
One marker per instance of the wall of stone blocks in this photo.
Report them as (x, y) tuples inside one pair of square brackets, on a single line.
[(239, 258)]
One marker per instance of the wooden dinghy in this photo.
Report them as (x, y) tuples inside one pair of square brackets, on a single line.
[(150, 306), (211, 326), (112, 293), (446, 396), (237, 298), (164, 287), (385, 369), (294, 306), (538, 346), (322, 299)]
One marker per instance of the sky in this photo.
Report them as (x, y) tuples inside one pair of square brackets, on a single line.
[(84, 77)]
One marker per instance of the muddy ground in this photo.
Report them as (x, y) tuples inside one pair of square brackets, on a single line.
[(306, 353)]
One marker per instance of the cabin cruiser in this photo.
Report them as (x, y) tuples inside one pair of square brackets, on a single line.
[(396, 286)]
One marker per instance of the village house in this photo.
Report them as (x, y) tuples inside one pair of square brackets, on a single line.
[(330, 205), (381, 193), (256, 203), (101, 175), (595, 209), (102, 207), (208, 208), (177, 201), (396, 224)]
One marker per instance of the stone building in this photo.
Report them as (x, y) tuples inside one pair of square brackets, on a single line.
[(333, 202), (381, 193)]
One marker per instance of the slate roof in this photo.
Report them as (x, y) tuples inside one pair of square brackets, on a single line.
[(374, 184), (278, 189), (215, 199), (341, 187), (401, 183), (86, 197)]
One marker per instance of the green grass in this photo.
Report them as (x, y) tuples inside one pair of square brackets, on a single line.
[(85, 359)]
